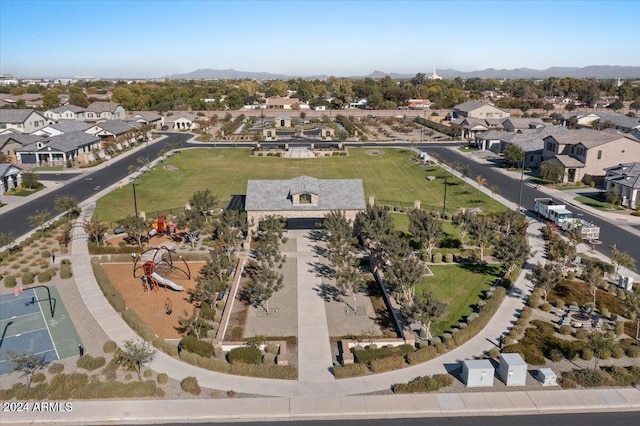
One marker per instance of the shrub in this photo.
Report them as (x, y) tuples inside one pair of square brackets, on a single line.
[(28, 278), (632, 351), (56, 368), (90, 363), (147, 374), (387, 364), (437, 258), (581, 334), (272, 348), (113, 296), (45, 276), (587, 354), (424, 384), (349, 370), (588, 378), (448, 257), (547, 307), (207, 312), (565, 329), (199, 347), (65, 272), (605, 354), (217, 351), (245, 354), (556, 355), (617, 352), (619, 328), (38, 378), (9, 281), (162, 378), (268, 358), (66, 262), (422, 355), (190, 385), (45, 254), (368, 355), (109, 347)]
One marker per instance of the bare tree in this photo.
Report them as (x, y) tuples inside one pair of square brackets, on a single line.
[(26, 363)]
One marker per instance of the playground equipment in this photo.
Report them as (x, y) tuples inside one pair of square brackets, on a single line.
[(161, 226), (150, 263)]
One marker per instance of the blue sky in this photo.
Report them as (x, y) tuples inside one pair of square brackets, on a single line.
[(144, 38)]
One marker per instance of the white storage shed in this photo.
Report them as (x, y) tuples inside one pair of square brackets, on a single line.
[(477, 372), (547, 377), (512, 370)]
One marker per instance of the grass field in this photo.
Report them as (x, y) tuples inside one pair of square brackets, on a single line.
[(593, 201), (459, 286), (391, 177)]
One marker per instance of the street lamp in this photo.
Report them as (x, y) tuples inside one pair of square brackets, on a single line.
[(444, 205), (135, 201)]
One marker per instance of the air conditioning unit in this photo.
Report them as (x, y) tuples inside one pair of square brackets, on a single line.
[(626, 282)]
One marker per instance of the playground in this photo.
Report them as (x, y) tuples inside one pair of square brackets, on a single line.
[(34, 320), (155, 285)]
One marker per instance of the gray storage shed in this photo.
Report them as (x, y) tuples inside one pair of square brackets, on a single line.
[(477, 372), (512, 370)]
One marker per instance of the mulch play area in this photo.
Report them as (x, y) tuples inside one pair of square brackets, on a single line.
[(150, 306)]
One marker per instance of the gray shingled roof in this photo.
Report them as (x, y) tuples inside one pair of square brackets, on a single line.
[(67, 126), (14, 115), (626, 174), (21, 138), (116, 127), (102, 107), (72, 108), (619, 120), (62, 143), (4, 167), (471, 105), (568, 161), (333, 194), (589, 138)]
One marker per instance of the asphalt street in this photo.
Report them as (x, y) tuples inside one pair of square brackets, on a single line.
[(15, 221)]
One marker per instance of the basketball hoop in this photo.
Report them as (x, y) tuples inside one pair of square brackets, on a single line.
[(17, 290)]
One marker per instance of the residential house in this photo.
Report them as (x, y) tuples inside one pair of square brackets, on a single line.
[(62, 127), (470, 127), (514, 124), (30, 100), (418, 103), (10, 177), (276, 102), (156, 121), (66, 112), (98, 111), (115, 133), (585, 153), (478, 109), (181, 121), (21, 120), (359, 104), (625, 180), (601, 120), (59, 150), (9, 142)]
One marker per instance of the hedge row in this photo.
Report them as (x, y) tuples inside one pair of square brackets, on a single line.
[(283, 372), (245, 354), (349, 370), (422, 355), (370, 354), (605, 376), (424, 384), (387, 364), (200, 347)]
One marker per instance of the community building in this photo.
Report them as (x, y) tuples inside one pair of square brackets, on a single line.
[(303, 200)]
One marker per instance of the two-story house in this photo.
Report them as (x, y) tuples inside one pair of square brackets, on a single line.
[(478, 109), (65, 112), (21, 120), (586, 153), (625, 180), (98, 111), (9, 142), (66, 126)]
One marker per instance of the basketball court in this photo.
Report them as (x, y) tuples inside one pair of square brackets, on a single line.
[(35, 320)]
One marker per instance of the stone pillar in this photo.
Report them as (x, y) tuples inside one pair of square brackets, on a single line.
[(143, 215), (372, 200), (313, 146), (416, 204)]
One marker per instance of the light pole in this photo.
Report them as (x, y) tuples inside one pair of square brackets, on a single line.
[(521, 182), (135, 201), (444, 205)]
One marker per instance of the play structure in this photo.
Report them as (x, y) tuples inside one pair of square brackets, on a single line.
[(161, 226), (151, 263)]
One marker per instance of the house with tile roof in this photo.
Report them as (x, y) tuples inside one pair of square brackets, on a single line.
[(58, 150), (98, 111), (625, 180), (64, 126), (478, 109), (21, 120), (9, 142), (10, 177), (303, 198), (586, 153), (66, 112)]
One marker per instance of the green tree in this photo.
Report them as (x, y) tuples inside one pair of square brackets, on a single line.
[(599, 343), (593, 277), (39, 219), (635, 105), (461, 220), (482, 230), (96, 229), (424, 310), (50, 100), (511, 251), (66, 204), (613, 197), (513, 155), (349, 280), (203, 201), (620, 259), (135, 355), (30, 181), (402, 274), (212, 278), (546, 278), (136, 228), (552, 171), (264, 283), (27, 364), (426, 229), (632, 303), (373, 226), (194, 223)]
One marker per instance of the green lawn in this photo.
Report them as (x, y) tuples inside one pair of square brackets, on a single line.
[(595, 202), (24, 192), (48, 169), (389, 177), (460, 287)]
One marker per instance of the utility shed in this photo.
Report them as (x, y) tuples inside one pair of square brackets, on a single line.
[(547, 377), (477, 372), (512, 370)]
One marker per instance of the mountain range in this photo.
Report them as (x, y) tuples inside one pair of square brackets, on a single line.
[(592, 71)]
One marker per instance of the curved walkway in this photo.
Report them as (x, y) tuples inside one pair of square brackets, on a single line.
[(118, 331)]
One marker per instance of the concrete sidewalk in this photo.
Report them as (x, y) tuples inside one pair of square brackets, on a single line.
[(334, 408)]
